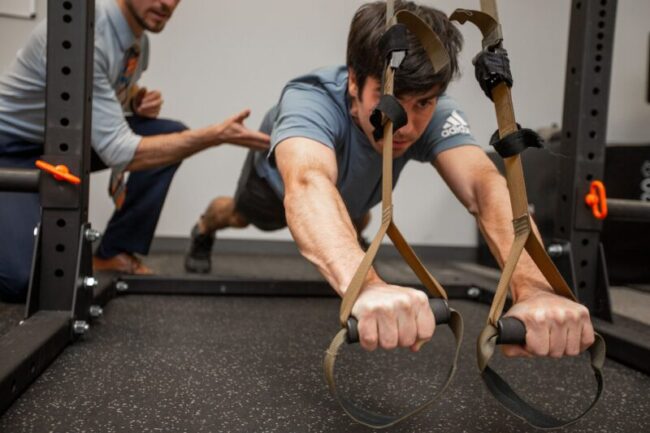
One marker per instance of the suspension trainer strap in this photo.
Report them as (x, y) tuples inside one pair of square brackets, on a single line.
[(492, 68), (387, 118), (515, 143), (495, 78)]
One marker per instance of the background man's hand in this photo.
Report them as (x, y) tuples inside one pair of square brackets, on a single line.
[(146, 103), (233, 131), (393, 316), (555, 326)]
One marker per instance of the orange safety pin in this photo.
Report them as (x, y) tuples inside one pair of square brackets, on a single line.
[(60, 172), (597, 199)]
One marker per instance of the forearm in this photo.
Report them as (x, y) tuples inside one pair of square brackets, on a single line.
[(494, 217), (164, 149), (323, 231)]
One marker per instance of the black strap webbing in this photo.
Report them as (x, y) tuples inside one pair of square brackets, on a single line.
[(492, 67), (519, 407), (394, 39), (516, 142), (390, 106)]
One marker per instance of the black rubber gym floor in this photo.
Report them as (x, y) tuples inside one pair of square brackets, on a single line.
[(253, 364)]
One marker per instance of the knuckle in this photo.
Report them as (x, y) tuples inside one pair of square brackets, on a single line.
[(539, 318), (389, 344), (369, 341), (573, 351)]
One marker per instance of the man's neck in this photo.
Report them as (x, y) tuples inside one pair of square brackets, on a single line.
[(135, 27)]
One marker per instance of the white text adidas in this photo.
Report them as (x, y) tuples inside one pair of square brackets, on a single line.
[(454, 124)]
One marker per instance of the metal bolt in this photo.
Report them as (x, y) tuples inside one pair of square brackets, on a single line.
[(92, 235), (90, 282), (80, 327), (95, 311), (121, 286), (555, 250), (473, 292)]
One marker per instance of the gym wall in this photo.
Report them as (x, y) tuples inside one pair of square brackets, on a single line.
[(215, 58)]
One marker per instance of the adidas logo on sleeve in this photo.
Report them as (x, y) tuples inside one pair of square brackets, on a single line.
[(455, 124)]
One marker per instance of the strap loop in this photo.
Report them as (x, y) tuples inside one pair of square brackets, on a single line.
[(516, 405), (516, 142)]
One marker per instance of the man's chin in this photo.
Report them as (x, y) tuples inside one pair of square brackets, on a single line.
[(155, 27)]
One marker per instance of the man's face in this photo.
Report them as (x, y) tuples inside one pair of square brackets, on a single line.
[(419, 109), (151, 15)]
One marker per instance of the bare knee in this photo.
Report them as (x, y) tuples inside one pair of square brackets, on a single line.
[(221, 213), (238, 220)]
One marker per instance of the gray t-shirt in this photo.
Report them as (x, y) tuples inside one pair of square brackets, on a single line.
[(316, 106), (22, 90)]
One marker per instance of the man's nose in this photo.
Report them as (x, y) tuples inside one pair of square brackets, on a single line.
[(408, 128)]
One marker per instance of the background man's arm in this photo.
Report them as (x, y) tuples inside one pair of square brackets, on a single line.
[(119, 146), (556, 326), (389, 316), (165, 149)]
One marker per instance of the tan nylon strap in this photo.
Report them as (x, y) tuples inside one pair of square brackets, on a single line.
[(414, 263), (352, 293), (432, 45), (526, 239), (522, 231), (429, 40), (377, 420)]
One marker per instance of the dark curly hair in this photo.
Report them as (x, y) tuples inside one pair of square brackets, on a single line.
[(416, 73)]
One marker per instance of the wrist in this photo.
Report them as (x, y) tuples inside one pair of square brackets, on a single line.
[(201, 137), (522, 288), (370, 279)]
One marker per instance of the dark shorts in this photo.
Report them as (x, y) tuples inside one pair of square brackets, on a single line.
[(255, 199)]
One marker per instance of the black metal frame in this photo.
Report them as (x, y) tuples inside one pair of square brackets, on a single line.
[(60, 290), (586, 103)]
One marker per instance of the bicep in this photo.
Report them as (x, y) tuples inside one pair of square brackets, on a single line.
[(298, 159), (112, 136), (464, 169)]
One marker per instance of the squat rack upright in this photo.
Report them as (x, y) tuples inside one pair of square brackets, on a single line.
[(61, 285)]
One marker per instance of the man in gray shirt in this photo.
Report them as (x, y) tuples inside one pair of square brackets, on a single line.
[(323, 172), (126, 136)]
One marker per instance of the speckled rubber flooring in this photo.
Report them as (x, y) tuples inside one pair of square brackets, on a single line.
[(10, 315), (230, 364)]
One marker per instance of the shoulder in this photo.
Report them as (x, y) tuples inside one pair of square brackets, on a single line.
[(321, 93), (449, 119), (313, 106), (448, 128)]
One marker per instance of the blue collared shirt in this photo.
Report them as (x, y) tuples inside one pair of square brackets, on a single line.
[(22, 90)]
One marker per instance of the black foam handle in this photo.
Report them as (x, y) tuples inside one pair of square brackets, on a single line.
[(511, 331), (439, 307)]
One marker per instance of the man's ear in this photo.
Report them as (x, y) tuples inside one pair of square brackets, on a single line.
[(353, 88)]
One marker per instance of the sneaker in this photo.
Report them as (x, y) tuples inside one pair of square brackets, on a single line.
[(198, 259)]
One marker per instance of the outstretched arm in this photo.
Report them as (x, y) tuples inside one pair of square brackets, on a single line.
[(164, 149), (389, 316), (556, 326)]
